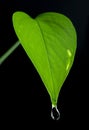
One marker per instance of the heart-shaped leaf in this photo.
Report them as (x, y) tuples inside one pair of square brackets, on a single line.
[(50, 42)]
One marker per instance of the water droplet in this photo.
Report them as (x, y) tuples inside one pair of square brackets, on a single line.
[(55, 114)]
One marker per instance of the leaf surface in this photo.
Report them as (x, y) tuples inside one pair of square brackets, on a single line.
[(50, 42)]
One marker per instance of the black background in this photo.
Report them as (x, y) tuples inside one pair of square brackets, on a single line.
[(24, 99)]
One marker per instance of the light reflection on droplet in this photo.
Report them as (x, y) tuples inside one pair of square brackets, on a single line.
[(55, 114)]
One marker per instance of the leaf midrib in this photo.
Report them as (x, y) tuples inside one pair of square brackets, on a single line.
[(47, 55)]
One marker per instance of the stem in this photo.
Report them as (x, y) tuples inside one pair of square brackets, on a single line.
[(8, 52)]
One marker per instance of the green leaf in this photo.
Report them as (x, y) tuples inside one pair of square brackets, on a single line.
[(50, 42)]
